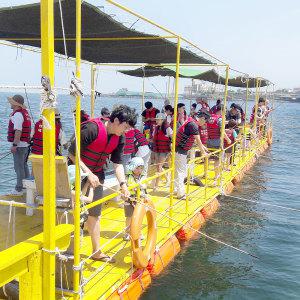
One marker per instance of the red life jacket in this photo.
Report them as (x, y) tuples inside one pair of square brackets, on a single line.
[(37, 139), (182, 140), (140, 139), (252, 115), (213, 129), (150, 114), (129, 142), (229, 133), (26, 127), (214, 109), (203, 134), (161, 142), (96, 154)]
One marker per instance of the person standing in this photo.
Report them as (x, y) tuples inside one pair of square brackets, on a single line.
[(162, 140), (19, 129), (187, 134), (37, 138), (99, 141), (149, 118)]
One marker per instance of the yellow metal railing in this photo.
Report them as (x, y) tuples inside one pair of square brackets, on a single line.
[(24, 261)]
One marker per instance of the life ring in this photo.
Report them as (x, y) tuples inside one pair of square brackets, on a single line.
[(141, 256)]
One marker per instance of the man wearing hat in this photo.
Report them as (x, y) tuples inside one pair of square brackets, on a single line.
[(19, 129), (37, 139)]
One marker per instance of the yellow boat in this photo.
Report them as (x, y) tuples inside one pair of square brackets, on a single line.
[(36, 267)]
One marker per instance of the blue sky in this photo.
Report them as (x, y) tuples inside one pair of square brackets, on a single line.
[(258, 37)]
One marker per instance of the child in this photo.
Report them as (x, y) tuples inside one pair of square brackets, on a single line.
[(134, 175), (232, 135), (85, 188)]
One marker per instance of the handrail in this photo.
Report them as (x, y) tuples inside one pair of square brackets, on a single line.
[(14, 260)]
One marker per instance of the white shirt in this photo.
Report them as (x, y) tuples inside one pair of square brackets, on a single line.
[(18, 119)]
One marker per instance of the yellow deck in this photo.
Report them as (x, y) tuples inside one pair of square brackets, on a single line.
[(111, 276)]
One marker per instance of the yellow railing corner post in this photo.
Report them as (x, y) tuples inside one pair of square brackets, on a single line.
[(49, 180)]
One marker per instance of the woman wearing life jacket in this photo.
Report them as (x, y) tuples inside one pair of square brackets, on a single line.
[(136, 144), (37, 138), (149, 117), (232, 135), (186, 135), (99, 142), (162, 139), (18, 133), (214, 126)]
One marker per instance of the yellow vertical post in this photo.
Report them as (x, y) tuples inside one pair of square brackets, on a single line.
[(174, 134), (206, 175), (143, 93), (246, 110), (223, 126), (47, 57), (76, 271), (93, 92), (256, 104)]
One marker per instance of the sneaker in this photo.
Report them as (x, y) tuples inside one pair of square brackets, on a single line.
[(126, 237), (16, 193)]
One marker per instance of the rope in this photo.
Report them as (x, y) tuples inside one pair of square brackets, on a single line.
[(5, 155), (25, 90), (182, 224), (264, 203)]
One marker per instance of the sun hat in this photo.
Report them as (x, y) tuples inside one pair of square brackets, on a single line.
[(17, 100), (134, 163)]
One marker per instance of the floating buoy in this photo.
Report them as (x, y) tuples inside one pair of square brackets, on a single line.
[(141, 256), (163, 256), (133, 287), (186, 232)]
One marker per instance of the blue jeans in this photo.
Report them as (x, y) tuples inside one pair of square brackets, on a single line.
[(21, 167)]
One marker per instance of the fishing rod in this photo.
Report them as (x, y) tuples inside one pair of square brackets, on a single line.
[(182, 224), (25, 90), (264, 203), (5, 155)]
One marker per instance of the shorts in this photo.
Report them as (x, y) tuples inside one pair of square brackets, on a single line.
[(158, 155), (98, 194), (215, 144), (129, 208)]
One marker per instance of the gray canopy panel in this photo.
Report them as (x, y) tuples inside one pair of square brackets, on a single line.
[(24, 22)]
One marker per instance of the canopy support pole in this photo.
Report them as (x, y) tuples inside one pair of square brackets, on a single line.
[(49, 188), (93, 73), (172, 185), (223, 123), (76, 271), (246, 111)]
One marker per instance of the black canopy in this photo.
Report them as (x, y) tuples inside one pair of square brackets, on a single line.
[(24, 22), (185, 72)]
